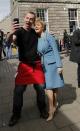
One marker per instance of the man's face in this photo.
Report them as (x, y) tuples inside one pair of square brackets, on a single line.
[(29, 20)]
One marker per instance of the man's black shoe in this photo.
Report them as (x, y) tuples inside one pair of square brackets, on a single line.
[(14, 120), (44, 115)]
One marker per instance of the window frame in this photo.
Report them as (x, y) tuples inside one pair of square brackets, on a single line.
[(73, 18), (43, 14)]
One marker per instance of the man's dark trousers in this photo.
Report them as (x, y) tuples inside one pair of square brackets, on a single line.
[(18, 99)]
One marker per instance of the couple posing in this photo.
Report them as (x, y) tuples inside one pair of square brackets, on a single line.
[(40, 65)]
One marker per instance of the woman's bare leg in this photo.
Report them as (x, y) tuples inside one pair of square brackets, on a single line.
[(50, 101)]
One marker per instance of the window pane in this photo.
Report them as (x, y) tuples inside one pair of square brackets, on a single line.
[(43, 15), (72, 19), (72, 14)]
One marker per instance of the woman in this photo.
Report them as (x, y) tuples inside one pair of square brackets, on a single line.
[(52, 65)]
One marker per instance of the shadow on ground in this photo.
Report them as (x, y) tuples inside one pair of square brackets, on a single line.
[(67, 95)]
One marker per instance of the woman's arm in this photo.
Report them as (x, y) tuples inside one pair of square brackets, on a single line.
[(52, 43)]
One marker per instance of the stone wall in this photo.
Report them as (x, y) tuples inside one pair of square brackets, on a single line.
[(5, 24), (50, 1), (58, 18)]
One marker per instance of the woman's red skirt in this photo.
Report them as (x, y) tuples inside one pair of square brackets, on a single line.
[(27, 74)]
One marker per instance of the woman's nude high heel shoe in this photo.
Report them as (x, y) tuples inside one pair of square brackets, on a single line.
[(50, 117)]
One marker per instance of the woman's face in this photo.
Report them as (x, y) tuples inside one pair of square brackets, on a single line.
[(38, 28)]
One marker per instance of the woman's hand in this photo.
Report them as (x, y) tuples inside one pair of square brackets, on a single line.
[(60, 70)]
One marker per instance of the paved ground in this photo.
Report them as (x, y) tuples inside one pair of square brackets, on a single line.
[(68, 116)]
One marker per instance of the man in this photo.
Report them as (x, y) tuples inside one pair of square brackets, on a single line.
[(75, 51), (66, 42), (1, 43), (29, 69)]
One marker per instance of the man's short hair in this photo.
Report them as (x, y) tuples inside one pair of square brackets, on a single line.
[(31, 12)]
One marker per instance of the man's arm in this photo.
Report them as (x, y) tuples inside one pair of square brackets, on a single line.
[(14, 38), (12, 35), (11, 38)]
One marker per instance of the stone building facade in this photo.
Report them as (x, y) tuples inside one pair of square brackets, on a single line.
[(5, 24), (58, 14)]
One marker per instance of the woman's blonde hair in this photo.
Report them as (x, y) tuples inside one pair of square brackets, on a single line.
[(38, 20)]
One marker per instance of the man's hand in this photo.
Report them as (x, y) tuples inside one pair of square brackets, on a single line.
[(15, 26)]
